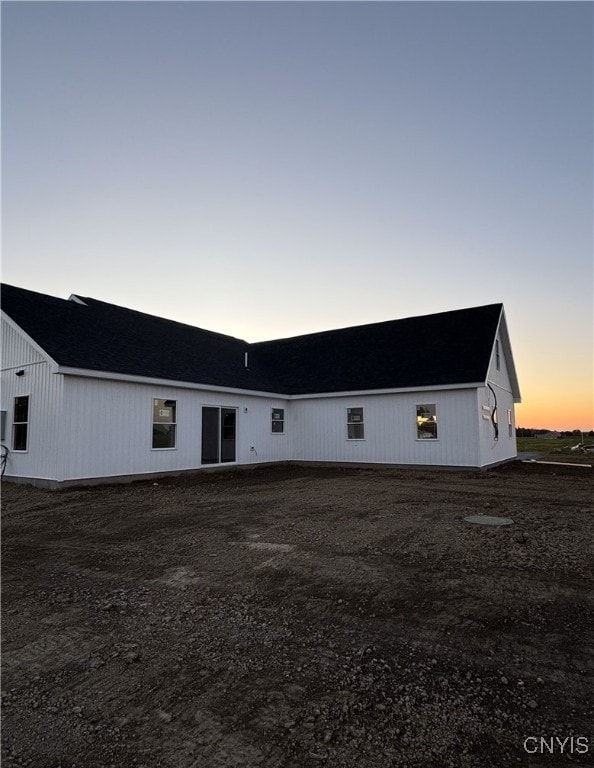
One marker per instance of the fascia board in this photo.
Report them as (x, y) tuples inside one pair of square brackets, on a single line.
[(87, 373), (390, 391), (68, 371), (509, 358)]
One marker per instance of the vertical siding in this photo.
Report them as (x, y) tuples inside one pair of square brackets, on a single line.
[(501, 376), (83, 427), (504, 447), (44, 387), (17, 351), (112, 422), (493, 450), (112, 427), (319, 429)]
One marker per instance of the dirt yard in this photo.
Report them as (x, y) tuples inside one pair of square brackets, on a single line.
[(299, 617)]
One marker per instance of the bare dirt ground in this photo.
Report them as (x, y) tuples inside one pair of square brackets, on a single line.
[(297, 617)]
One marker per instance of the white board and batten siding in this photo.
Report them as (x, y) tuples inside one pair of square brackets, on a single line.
[(113, 423), (43, 387), (319, 429), (503, 448)]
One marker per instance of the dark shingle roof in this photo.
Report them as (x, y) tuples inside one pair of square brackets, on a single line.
[(431, 350), (440, 349)]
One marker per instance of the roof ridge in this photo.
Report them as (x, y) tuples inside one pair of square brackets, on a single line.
[(438, 349), (379, 323), (36, 293), (120, 308)]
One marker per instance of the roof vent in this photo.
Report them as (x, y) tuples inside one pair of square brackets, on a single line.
[(76, 299), (245, 360)]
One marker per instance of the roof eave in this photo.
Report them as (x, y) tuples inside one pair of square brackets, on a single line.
[(29, 339), (509, 358), (389, 390), (154, 381), (133, 379)]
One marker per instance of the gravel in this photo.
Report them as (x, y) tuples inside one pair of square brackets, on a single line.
[(378, 629)]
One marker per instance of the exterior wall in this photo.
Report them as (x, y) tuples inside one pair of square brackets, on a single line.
[(110, 424), (82, 427), (504, 447), (319, 429), (44, 387)]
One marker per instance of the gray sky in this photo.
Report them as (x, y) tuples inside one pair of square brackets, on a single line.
[(269, 169)]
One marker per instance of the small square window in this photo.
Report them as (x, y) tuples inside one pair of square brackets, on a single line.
[(426, 422), (278, 421), (355, 424)]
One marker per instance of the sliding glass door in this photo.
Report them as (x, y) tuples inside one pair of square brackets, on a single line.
[(219, 428)]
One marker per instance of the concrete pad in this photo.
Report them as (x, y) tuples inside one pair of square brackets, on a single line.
[(270, 546), (488, 520)]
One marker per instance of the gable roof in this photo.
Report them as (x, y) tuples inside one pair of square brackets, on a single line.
[(443, 349), (448, 348), (93, 335)]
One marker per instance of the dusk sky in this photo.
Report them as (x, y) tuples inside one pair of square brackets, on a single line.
[(271, 169)]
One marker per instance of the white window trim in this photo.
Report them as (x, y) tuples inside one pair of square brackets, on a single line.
[(356, 423), (28, 422), (277, 421), (3, 430), (426, 439), (172, 423)]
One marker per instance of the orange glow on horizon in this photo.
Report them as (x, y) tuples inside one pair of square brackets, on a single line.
[(547, 412), (557, 392)]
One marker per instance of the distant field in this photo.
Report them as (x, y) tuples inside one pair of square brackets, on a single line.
[(561, 445)]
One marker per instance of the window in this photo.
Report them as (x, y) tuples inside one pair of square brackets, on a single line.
[(497, 355), (2, 425), (20, 423), (426, 422), (278, 420), (164, 423), (510, 423), (355, 425)]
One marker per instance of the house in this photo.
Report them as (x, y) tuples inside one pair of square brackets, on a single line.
[(93, 392)]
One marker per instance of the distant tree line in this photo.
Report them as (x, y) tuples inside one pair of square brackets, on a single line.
[(531, 432)]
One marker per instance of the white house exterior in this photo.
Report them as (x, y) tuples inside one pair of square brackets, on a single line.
[(65, 424)]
